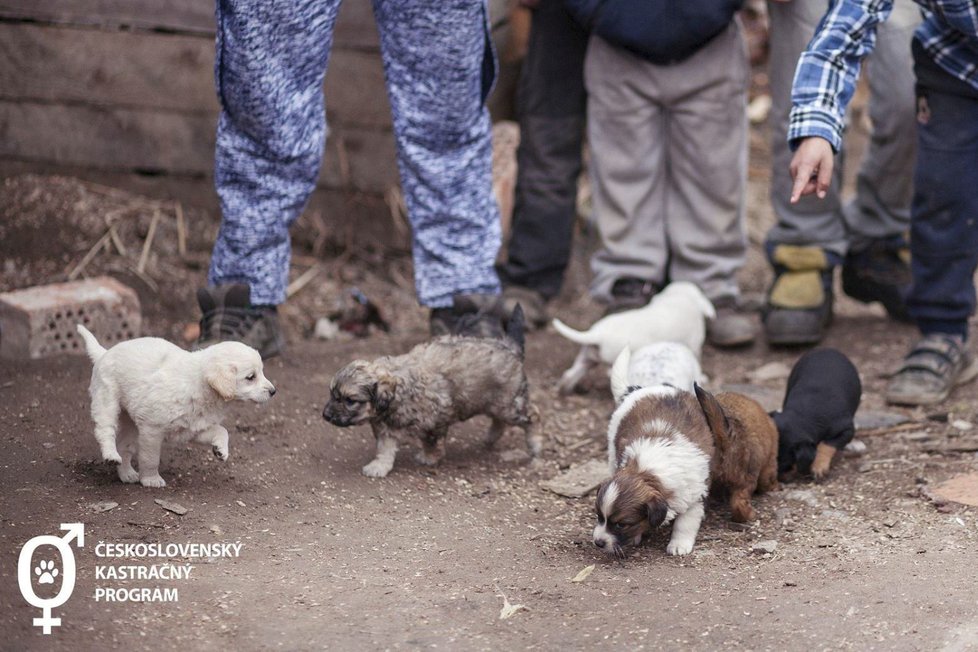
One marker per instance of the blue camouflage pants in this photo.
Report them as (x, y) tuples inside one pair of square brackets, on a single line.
[(270, 64)]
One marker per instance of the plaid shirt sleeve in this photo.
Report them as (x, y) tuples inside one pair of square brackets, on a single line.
[(825, 79)]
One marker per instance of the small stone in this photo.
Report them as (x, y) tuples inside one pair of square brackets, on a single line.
[(580, 480), (916, 435), (48, 445), (771, 371), (326, 329), (240, 504), (766, 547), (890, 522), (176, 508), (855, 448), (873, 420), (216, 529), (98, 508), (790, 583), (781, 515), (802, 496), (514, 455), (962, 425)]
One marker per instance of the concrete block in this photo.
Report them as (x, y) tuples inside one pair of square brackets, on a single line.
[(40, 321)]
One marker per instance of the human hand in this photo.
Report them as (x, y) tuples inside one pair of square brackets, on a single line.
[(811, 168)]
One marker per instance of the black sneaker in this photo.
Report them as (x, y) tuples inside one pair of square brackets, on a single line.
[(799, 303), (880, 272), (629, 293), (229, 316), (473, 315)]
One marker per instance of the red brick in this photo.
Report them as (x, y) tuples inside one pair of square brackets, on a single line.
[(40, 321)]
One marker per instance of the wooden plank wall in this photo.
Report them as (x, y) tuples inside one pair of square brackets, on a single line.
[(122, 92)]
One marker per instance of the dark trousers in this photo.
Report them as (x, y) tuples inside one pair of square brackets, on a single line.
[(944, 214), (551, 105)]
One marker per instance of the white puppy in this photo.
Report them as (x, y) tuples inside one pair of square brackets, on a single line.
[(662, 363), (677, 314), (147, 390)]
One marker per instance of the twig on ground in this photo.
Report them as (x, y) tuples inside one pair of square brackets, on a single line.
[(143, 257), (181, 229), (303, 280), (79, 268)]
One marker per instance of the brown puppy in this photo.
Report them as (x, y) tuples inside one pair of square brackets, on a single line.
[(436, 384), (746, 457)]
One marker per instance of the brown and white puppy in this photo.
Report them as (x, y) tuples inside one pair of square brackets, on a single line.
[(436, 384), (660, 449), (746, 457)]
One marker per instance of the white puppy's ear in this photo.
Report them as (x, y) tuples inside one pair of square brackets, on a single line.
[(223, 378)]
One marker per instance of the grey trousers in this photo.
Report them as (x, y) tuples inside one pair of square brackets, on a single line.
[(669, 165), (881, 207)]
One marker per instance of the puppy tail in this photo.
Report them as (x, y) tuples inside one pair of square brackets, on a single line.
[(573, 335), (516, 328), (619, 374), (94, 349)]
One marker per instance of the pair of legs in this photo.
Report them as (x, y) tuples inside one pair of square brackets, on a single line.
[(438, 64), (944, 236), (669, 165), (551, 106), (814, 235)]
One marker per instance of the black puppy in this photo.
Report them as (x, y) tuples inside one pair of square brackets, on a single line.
[(817, 417)]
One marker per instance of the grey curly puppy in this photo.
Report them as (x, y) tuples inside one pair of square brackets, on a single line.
[(438, 383)]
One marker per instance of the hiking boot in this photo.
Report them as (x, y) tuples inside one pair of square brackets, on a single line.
[(630, 293), (227, 315), (935, 365), (534, 305), (731, 327), (799, 304), (880, 272), (472, 315)]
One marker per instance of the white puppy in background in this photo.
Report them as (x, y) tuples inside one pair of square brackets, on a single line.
[(663, 363), (676, 314), (147, 390)]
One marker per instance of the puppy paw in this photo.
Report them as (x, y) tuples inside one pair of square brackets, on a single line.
[(129, 476), (567, 386), (377, 469), (111, 457), (535, 444), (679, 547), (152, 481), (220, 453)]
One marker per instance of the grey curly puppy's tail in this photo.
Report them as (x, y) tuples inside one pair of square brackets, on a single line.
[(516, 327)]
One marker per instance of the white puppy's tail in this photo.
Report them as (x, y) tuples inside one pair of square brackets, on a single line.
[(94, 349), (619, 375), (581, 337)]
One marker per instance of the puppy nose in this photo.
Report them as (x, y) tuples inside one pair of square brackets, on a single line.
[(271, 391), (599, 543)]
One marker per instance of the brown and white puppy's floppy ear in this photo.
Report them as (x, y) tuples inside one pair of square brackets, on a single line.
[(716, 418), (657, 511), (382, 392), (222, 376)]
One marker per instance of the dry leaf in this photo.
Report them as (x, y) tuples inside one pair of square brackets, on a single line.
[(583, 575), (508, 609), (176, 508)]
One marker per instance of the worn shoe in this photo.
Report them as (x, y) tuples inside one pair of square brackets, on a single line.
[(880, 272), (731, 327), (936, 365), (227, 315), (534, 305), (799, 304), (475, 315), (630, 293)]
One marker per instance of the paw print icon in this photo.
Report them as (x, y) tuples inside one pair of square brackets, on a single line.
[(46, 572)]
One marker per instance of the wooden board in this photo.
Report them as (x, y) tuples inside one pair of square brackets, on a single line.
[(160, 71), (152, 141), (355, 25)]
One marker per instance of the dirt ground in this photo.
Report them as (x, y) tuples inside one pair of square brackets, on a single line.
[(428, 558)]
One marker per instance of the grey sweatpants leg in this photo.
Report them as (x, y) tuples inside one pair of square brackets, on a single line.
[(668, 165), (881, 207)]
